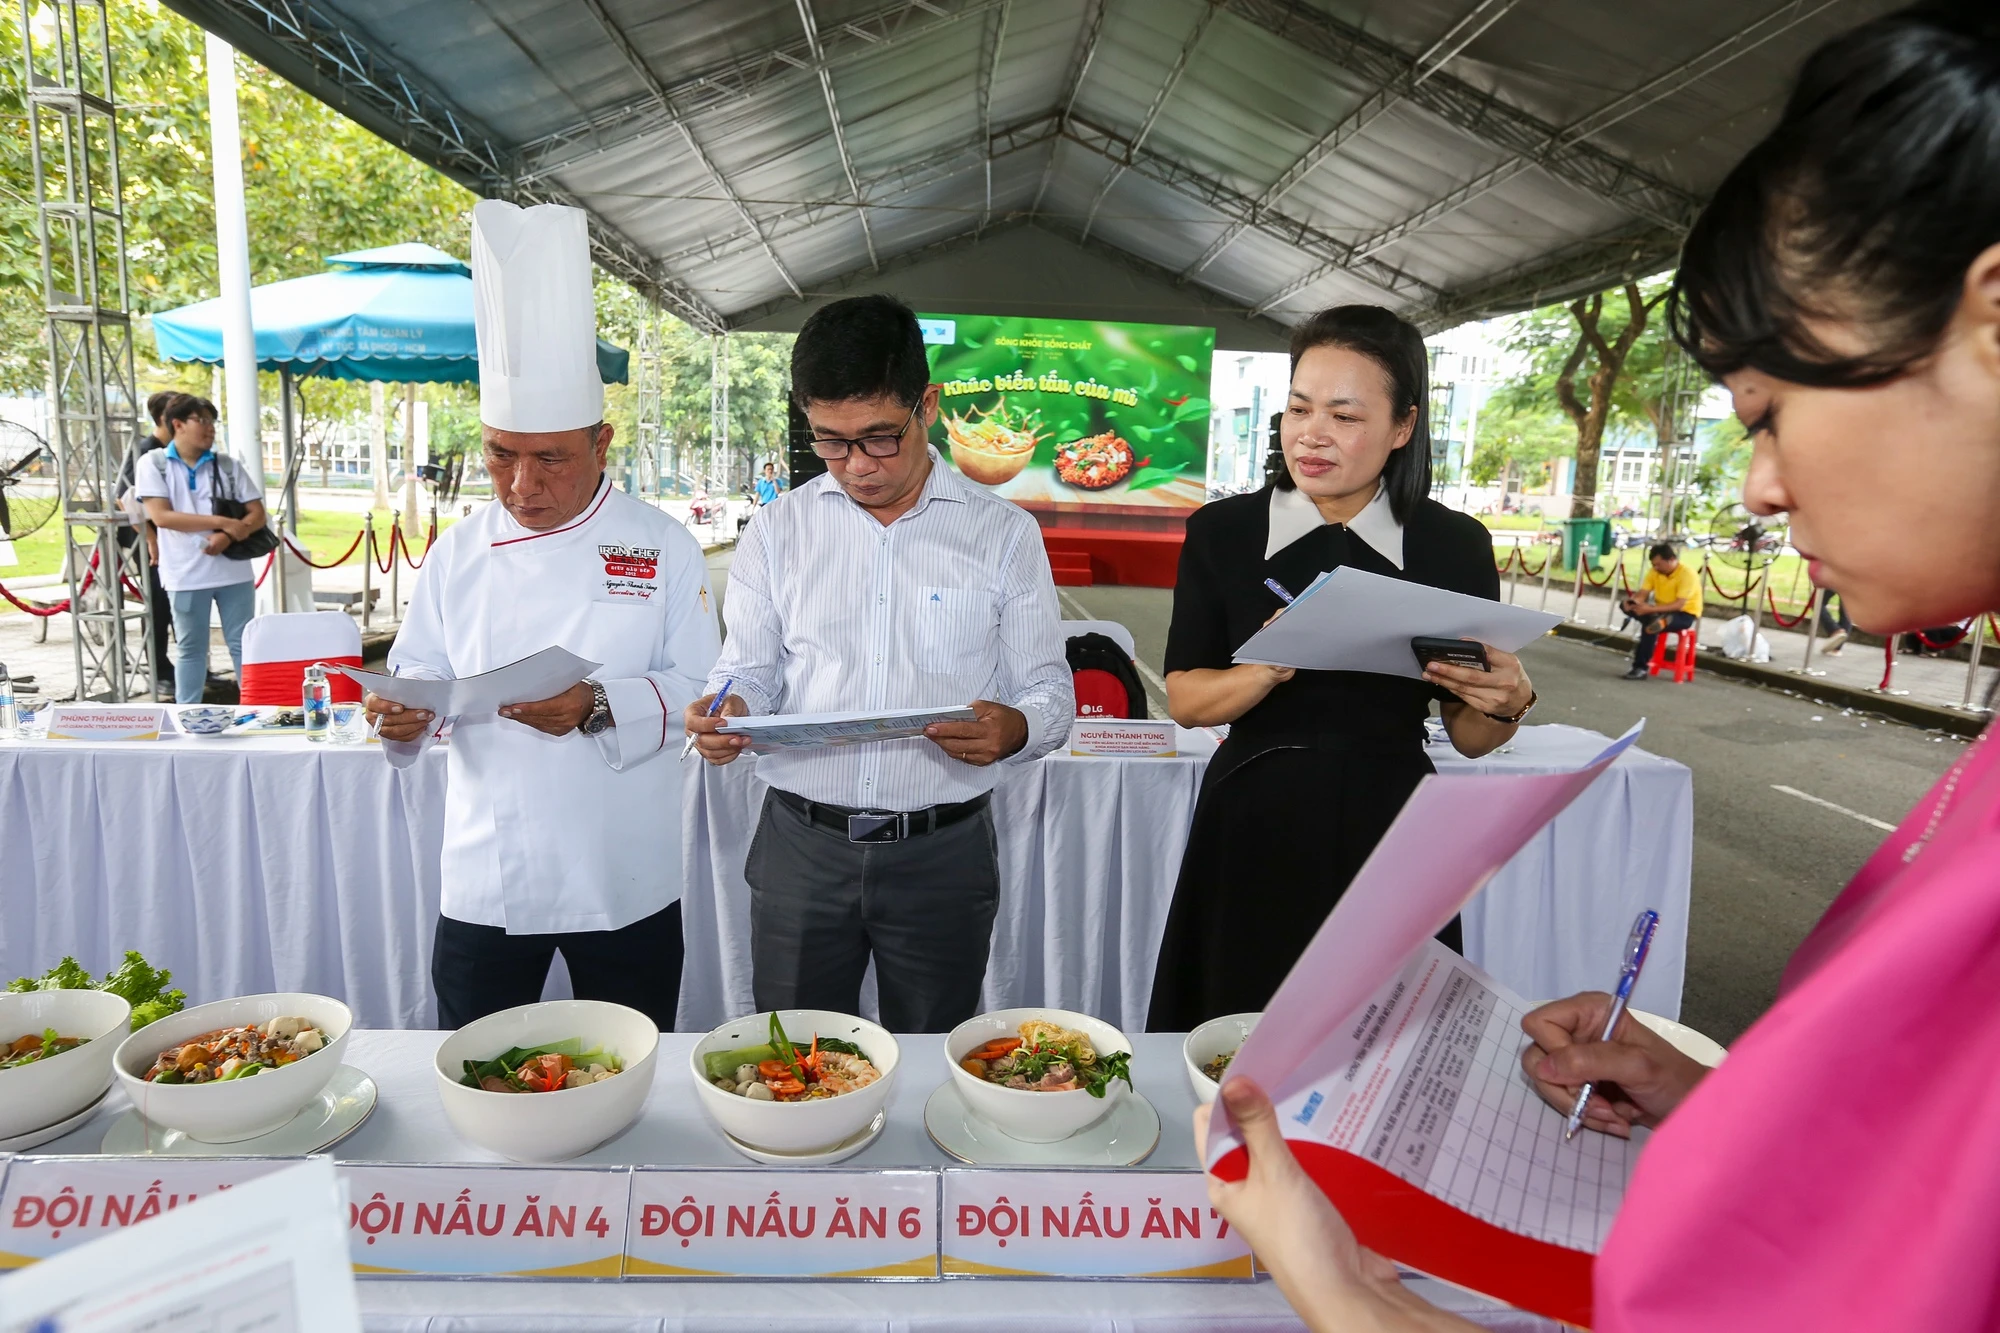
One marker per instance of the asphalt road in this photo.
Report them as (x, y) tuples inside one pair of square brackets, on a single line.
[(1766, 862)]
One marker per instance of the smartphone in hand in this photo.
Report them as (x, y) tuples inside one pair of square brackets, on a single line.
[(1458, 652)]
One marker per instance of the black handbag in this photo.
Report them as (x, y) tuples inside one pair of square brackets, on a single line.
[(225, 505)]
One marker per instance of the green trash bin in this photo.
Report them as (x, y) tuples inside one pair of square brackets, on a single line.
[(1590, 537)]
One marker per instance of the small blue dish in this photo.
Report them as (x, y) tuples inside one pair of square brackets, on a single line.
[(206, 720)]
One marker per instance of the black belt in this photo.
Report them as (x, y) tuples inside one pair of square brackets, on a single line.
[(882, 825)]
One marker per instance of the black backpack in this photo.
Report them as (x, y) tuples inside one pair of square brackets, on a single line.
[(1100, 670)]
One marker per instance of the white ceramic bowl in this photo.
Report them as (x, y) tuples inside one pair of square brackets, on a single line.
[(1033, 1117), (241, 1108), (796, 1127), (549, 1126), (205, 720), (1218, 1036), (57, 1088)]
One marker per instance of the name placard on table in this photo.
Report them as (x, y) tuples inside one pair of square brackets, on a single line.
[(50, 1204), (608, 1223), (106, 722), (1086, 1223), (1115, 737), (734, 1223), (487, 1221)]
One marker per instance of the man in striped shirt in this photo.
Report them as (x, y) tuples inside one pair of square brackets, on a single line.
[(889, 582)]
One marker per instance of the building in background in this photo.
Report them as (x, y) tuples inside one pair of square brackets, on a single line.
[(1466, 364), (1245, 389)]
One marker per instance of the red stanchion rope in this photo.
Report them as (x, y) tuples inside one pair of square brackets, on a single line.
[(306, 555), (386, 565), (1952, 642), (1888, 662), (1508, 563), (47, 609), (1771, 600), (410, 555), (269, 560), (1532, 573), (1727, 596)]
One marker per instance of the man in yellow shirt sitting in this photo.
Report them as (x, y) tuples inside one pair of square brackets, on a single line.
[(1668, 598)]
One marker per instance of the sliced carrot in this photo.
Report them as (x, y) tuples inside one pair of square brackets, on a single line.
[(993, 1050), (785, 1087), (774, 1069)]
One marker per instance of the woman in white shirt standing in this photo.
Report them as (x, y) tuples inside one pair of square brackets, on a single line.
[(179, 485)]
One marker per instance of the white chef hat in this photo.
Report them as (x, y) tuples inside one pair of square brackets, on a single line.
[(533, 309)]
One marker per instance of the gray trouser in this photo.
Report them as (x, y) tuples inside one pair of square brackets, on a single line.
[(819, 904)]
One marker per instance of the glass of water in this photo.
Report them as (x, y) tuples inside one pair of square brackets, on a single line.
[(349, 724)]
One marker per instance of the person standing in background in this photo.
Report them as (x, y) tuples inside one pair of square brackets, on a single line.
[(889, 582), (179, 486), (769, 486), (161, 608)]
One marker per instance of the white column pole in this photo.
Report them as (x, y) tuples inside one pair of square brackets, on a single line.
[(232, 253)]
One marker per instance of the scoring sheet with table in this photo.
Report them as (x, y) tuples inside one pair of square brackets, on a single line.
[(1434, 1093)]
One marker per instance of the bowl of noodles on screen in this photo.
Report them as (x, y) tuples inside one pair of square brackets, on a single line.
[(795, 1080), (545, 1082), (1039, 1075)]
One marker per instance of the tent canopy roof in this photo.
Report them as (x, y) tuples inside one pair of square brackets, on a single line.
[(1254, 159)]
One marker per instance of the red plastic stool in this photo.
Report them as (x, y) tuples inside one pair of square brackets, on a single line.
[(1683, 663)]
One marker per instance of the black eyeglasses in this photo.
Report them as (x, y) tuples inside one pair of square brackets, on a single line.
[(875, 446)]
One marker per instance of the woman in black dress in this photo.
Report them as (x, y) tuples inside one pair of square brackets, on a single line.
[(1317, 762)]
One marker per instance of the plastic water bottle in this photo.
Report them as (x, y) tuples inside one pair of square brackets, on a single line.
[(10, 718), (318, 703)]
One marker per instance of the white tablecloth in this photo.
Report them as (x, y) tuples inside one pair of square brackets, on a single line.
[(248, 865), (409, 1126)]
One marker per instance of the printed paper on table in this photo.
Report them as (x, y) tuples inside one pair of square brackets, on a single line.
[(1351, 620), (107, 722), (1394, 1064), (805, 731), (1100, 1224), (1123, 739), (782, 1224), (538, 676), (267, 1252)]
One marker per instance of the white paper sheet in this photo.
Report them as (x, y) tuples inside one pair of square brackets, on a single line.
[(536, 677), (1412, 1063), (269, 1255), (800, 731), (1351, 620)]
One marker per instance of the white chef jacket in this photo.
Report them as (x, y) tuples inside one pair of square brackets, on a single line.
[(563, 833)]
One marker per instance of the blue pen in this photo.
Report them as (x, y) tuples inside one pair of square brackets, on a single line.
[(1279, 589), (1636, 948), (713, 708)]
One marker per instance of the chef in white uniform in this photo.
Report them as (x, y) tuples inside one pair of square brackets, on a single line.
[(562, 815)]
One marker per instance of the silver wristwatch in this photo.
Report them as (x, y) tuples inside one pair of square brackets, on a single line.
[(600, 710)]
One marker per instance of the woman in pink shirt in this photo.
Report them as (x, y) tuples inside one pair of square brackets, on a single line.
[(1841, 1170)]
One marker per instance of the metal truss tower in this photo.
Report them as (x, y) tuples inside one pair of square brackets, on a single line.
[(719, 462), (648, 444), (94, 408), (1679, 458)]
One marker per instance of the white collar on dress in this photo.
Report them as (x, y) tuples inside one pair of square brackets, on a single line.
[(1293, 515)]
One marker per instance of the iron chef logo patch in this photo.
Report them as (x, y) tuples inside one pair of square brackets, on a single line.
[(631, 573)]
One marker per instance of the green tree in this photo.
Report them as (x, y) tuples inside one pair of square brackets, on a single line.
[(1596, 360), (1517, 438)]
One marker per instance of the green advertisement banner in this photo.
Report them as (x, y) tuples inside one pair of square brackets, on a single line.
[(1073, 411)]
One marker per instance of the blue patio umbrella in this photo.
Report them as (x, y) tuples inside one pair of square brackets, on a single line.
[(400, 314)]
